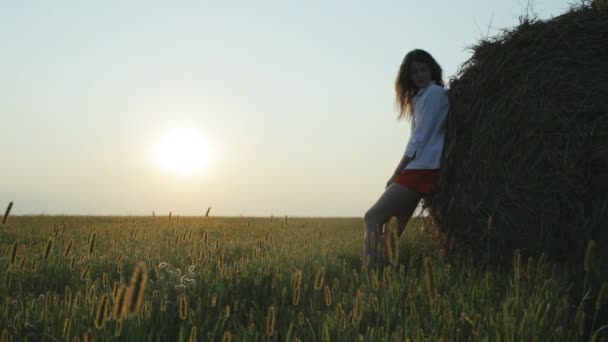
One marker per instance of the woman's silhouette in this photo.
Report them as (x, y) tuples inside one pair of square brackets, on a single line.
[(421, 97)]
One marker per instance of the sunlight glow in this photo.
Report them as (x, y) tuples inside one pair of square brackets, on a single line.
[(181, 151)]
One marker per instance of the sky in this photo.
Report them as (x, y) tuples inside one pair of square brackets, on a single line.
[(253, 108)]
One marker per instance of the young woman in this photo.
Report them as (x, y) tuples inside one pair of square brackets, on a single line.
[(421, 97)]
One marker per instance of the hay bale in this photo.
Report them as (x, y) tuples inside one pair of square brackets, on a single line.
[(526, 155)]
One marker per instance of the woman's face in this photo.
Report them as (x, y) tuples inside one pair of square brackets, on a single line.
[(421, 74)]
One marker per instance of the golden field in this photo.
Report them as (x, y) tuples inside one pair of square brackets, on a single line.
[(75, 278)]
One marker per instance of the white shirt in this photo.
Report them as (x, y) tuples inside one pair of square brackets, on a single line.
[(428, 127)]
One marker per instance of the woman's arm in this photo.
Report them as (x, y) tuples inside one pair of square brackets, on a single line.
[(404, 161), (431, 111)]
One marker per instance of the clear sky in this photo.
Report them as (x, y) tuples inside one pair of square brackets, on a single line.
[(251, 107)]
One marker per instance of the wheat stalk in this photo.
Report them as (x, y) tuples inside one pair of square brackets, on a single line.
[(14, 252), (589, 255), (92, 243), (429, 279), (7, 212), (49, 247)]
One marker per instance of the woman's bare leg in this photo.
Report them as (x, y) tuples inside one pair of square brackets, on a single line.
[(397, 200), (409, 207)]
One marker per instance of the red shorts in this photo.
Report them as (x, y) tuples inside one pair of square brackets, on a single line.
[(419, 180)]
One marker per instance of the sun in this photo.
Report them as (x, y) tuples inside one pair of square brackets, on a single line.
[(181, 151)]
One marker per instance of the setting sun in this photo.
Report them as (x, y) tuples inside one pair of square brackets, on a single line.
[(181, 151)]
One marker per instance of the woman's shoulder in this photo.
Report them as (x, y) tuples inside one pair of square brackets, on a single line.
[(435, 90)]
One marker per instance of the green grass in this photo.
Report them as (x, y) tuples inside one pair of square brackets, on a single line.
[(241, 269)]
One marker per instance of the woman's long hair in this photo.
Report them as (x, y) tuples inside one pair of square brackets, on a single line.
[(404, 86)]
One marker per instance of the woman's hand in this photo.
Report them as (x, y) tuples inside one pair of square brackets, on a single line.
[(390, 181), (404, 161), (402, 164)]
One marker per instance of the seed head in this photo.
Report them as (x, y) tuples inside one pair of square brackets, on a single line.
[(68, 248), (358, 307), (66, 327), (429, 278), (183, 306), (101, 311), (118, 329), (589, 255), (320, 278), (600, 296), (119, 309), (270, 320), (7, 212), (85, 273), (327, 295), (296, 296), (192, 337), (137, 288)]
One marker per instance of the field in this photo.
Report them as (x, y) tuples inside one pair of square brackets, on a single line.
[(67, 278)]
